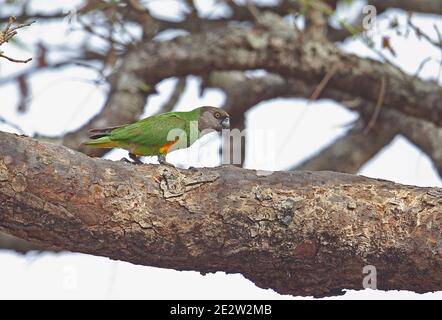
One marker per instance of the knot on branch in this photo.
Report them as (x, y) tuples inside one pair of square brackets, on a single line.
[(262, 194), (285, 210), (175, 184), (4, 174), (433, 197), (284, 206), (4, 171)]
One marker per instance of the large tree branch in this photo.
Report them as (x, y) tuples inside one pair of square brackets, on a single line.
[(282, 52), (300, 233), (348, 153), (424, 134), (260, 48), (351, 151), (8, 242)]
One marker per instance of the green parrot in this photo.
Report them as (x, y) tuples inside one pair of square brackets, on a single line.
[(161, 134)]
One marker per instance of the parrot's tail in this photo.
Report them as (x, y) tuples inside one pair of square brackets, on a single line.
[(99, 133), (100, 138), (102, 142)]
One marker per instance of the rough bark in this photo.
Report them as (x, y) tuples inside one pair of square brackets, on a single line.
[(300, 233), (8, 242)]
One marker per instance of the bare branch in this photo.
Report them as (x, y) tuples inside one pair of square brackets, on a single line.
[(177, 92), (13, 59), (377, 108), (350, 152), (427, 6), (421, 34), (7, 34), (125, 104), (299, 233), (320, 87), (424, 134), (236, 48), (37, 16)]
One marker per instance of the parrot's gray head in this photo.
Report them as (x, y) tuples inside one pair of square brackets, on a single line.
[(213, 118)]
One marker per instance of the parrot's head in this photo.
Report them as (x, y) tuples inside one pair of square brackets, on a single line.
[(213, 118)]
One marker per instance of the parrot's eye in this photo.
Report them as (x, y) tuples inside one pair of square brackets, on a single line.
[(217, 115)]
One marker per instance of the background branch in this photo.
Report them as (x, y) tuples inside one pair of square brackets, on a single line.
[(351, 151)]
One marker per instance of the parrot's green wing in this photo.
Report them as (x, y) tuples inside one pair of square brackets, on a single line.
[(152, 131)]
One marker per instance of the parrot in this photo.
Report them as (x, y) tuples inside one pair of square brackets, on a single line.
[(161, 134)]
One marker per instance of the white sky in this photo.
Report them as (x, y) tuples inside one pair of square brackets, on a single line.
[(65, 99)]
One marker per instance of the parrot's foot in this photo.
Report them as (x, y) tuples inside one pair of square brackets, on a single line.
[(162, 160), (126, 160), (165, 163), (135, 158)]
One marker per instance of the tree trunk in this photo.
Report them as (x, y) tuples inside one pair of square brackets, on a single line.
[(299, 233)]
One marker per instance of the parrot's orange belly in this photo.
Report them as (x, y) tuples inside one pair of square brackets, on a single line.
[(165, 148), (143, 150)]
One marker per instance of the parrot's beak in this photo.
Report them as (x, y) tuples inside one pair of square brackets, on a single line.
[(225, 123)]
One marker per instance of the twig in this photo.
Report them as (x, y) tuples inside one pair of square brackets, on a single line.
[(320, 87), (419, 33), (378, 106), (421, 66), (439, 37), (7, 34), (193, 15), (253, 10), (10, 31), (14, 60), (316, 93), (175, 96)]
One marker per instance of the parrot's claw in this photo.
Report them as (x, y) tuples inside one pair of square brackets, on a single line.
[(165, 163), (162, 161), (126, 160), (135, 159)]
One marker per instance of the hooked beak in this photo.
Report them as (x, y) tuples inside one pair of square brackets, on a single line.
[(225, 123)]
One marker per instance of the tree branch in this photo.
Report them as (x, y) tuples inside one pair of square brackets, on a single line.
[(300, 233), (348, 153), (7, 34), (125, 104), (351, 151), (237, 48), (8, 242), (427, 6), (424, 134)]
